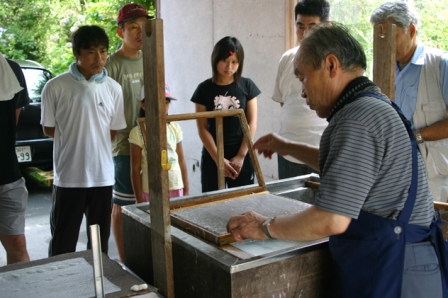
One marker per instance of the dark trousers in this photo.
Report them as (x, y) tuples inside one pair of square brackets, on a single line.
[(69, 207), (209, 170), (287, 169)]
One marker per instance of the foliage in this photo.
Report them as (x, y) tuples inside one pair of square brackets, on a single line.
[(41, 30), (18, 21), (433, 28)]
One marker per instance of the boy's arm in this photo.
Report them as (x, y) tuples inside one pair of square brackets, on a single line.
[(49, 131)]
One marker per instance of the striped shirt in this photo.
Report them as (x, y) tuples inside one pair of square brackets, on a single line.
[(366, 162)]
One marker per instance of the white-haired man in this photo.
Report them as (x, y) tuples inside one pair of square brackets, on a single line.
[(421, 90)]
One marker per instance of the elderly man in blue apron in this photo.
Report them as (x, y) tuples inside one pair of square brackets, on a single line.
[(374, 201)]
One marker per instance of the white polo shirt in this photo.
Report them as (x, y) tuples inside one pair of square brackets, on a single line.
[(83, 114), (297, 121)]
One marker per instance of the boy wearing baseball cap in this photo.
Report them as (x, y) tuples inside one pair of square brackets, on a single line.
[(126, 67)]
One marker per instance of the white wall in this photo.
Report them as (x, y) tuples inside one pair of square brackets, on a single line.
[(191, 28)]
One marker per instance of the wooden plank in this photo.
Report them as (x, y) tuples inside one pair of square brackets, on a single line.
[(235, 251), (158, 8), (312, 184), (227, 198), (291, 37), (222, 196), (200, 115), (154, 79), (220, 152), (440, 205), (384, 48), (250, 145)]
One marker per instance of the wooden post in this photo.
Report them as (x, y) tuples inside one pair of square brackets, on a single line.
[(157, 7), (253, 156), (220, 151), (384, 59), (154, 71), (291, 37)]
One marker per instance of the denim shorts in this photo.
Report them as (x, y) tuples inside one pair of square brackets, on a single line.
[(123, 192)]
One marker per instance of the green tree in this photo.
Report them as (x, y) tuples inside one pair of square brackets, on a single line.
[(433, 28), (20, 36), (41, 30)]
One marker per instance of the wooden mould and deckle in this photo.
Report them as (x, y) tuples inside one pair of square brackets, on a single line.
[(206, 217)]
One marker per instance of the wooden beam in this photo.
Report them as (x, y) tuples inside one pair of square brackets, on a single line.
[(154, 80), (220, 151), (440, 205), (384, 59), (222, 196), (290, 38), (253, 156), (157, 7), (200, 115)]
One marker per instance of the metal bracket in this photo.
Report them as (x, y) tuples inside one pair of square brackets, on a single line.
[(95, 238)]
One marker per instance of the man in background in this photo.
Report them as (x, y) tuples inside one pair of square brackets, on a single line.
[(421, 90), (13, 192), (297, 121), (126, 67)]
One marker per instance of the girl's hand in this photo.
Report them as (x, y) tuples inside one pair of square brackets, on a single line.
[(237, 163), (229, 170)]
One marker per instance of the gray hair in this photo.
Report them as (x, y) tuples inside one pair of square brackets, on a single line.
[(400, 13), (333, 39)]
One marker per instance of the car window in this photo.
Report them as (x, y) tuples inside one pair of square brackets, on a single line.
[(35, 81)]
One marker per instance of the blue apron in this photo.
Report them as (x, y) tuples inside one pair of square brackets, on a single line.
[(369, 256)]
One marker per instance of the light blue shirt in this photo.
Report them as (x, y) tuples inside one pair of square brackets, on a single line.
[(407, 80)]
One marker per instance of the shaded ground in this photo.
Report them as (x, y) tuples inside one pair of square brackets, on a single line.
[(37, 225)]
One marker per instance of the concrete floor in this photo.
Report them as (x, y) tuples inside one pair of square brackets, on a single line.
[(37, 225)]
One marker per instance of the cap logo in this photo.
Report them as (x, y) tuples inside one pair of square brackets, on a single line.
[(131, 11), (137, 8)]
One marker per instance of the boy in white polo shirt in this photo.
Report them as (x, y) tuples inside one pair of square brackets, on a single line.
[(82, 109)]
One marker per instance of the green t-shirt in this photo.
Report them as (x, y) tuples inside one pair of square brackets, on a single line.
[(128, 72)]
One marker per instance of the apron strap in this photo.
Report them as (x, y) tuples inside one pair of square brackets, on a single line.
[(405, 214)]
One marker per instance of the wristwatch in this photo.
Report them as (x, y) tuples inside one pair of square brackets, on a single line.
[(418, 137), (265, 227)]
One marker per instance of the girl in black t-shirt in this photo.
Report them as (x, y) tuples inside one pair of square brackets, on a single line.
[(226, 90)]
